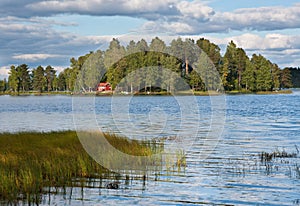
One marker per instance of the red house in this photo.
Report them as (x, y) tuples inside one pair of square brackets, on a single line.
[(102, 87)]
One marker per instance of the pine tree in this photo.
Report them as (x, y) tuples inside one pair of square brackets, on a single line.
[(39, 79), (13, 79), (286, 78), (50, 75)]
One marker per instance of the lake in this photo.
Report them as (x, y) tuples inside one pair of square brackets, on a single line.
[(222, 138)]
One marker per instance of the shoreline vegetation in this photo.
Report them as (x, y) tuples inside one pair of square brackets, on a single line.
[(31, 163), (183, 93), (156, 67)]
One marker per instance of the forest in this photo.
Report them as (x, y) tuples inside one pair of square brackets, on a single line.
[(236, 71), (295, 73)]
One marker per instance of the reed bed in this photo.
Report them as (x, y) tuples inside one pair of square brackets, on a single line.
[(269, 156), (32, 161)]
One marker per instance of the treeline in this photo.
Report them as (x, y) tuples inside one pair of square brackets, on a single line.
[(295, 74), (236, 70)]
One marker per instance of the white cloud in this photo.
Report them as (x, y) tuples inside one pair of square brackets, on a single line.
[(4, 72), (195, 14), (195, 9), (103, 7), (203, 19), (34, 57), (268, 42), (264, 18), (26, 35), (36, 41)]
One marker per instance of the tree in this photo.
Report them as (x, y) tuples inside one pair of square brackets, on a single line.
[(231, 66), (39, 80), (3, 85), (242, 59), (249, 77), (224, 75), (114, 53), (263, 72), (275, 76), (61, 81), (157, 45), (13, 79), (286, 78), (196, 81), (70, 76), (142, 46), (212, 50), (295, 76), (187, 51), (50, 75), (23, 78), (92, 71)]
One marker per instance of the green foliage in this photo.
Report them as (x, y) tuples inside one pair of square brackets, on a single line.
[(39, 79), (3, 85), (30, 162), (50, 77), (249, 77), (212, 51), (290, 77), (236, 71), (263, 73), (13, 79), (91, 72)]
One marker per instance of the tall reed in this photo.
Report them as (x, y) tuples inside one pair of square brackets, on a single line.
[(32, 161)]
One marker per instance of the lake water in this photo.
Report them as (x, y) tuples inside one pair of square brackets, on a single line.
[(222, 138)]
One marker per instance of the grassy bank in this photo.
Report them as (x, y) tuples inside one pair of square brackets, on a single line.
[(31, 161), (260, 92)]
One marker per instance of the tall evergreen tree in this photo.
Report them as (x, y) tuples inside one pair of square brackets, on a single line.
[(230, 70), (23, 77), (50, 75), (61, 81), (249, 77), (39, 80), (187, 51), (114, 53), (242, 59), (275, 76), (286, 78), (92, 71), (13, 79), (263, 71), (3, 85), (212, 50)]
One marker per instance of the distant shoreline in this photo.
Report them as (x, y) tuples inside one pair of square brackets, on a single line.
[(196, 93)]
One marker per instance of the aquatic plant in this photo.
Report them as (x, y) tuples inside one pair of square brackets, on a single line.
[(267, 157), (30, 162)]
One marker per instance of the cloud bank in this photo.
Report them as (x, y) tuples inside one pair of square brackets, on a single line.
[(29, 31)]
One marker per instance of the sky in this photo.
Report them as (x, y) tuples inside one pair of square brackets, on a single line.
[(50, 32)]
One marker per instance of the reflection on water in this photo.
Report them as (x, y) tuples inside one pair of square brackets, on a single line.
[(232, 173)]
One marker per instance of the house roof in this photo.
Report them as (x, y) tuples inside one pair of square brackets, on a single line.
[(103, 84)]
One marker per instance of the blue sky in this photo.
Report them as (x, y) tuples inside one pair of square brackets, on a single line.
[(40, 32), (230, 5)]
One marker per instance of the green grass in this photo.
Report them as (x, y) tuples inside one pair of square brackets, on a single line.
[(32, 161), (236, 92)]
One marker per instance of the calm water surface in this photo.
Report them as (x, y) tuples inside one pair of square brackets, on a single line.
[(230, 173)]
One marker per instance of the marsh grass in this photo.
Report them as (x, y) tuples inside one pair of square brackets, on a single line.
[(31, 162), (279, 159), (269, 156)]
